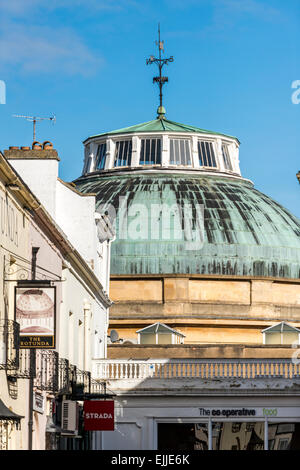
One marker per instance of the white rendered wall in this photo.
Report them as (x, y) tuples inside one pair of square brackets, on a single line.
[(72, 212), (83, 323), (41, 177), (75, 214)]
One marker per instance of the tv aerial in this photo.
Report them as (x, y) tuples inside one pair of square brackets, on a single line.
[(35, 119)]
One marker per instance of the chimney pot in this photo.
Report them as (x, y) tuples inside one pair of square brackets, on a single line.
[(47, 144), (25, 148), (13, 148), (36, 145)]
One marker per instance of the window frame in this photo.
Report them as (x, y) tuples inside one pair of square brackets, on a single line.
[(87, 152), (226, 157), (186, 140), (142, 146), (103, 156), (211, 144), (274, 330), (129, 153), (153, 330)]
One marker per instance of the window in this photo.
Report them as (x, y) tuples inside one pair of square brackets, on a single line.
[(206, 154), (159, 333), (226, 157), (101, 156), (235, 436), (150, 152), (284, 436), (123, 153), (281, 333), (236, 427), (226, 436), (283, 444), (182, 436), (180, 152), (86, 159)]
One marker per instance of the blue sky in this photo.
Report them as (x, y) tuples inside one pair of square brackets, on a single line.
[(84, 61)]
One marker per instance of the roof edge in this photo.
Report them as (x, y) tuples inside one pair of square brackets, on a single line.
[(185, 128)]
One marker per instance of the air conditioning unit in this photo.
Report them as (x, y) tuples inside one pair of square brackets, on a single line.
[(69, 418)]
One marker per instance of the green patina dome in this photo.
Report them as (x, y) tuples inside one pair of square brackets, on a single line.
[(160, 126), (246, 233)]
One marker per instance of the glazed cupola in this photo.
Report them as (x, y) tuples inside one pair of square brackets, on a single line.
[(162, 144)]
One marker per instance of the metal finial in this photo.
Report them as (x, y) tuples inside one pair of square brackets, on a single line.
[(160, 80)]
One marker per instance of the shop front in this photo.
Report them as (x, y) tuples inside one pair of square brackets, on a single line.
[(196, 423), (276, 428)]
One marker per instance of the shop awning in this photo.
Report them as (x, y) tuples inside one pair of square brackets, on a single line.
[(7, 415)]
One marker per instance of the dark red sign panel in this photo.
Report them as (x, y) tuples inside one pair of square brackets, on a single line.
[(99, 415)]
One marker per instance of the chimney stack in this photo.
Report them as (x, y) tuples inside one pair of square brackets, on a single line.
[(38, 167), (38, 151)]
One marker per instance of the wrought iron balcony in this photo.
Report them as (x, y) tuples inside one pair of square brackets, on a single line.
[(64, 376), (42, 366), (75, 382), (54, 374), (9, 344), (46, 370)]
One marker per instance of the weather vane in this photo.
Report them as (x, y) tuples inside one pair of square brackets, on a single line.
[(160, 80)]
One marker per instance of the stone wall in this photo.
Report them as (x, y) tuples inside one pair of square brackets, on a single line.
[(204, 351), (205, 309)]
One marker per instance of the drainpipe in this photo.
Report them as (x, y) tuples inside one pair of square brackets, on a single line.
[(107, 291), (86, 310), (107, 266), (32, 358)]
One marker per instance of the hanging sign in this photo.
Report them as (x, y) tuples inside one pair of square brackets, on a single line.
[(99, 415), (35, 309), (38, 402)]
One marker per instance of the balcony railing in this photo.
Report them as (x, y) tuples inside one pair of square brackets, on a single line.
[(9, 344), (46, 370), (42, 366), (54, 374), (112, 369)]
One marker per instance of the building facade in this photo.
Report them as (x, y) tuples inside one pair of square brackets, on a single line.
[(202, 265), (14, 252), (40, 258)]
